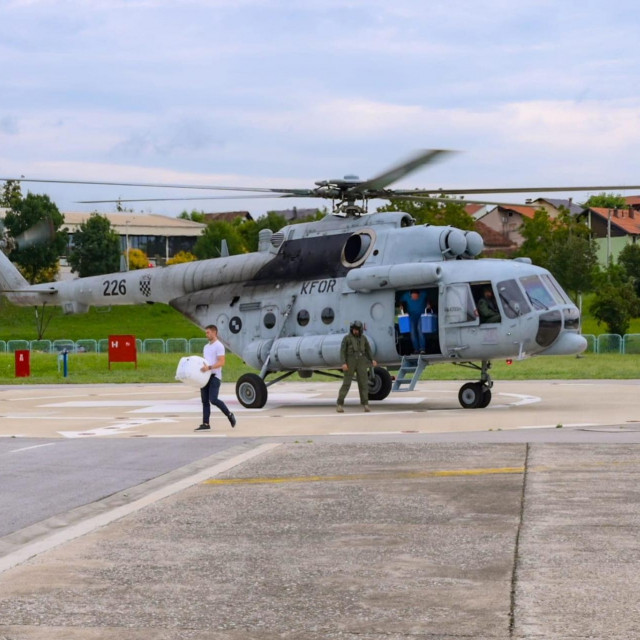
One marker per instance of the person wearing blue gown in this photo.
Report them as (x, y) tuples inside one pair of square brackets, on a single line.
[(414, 303)]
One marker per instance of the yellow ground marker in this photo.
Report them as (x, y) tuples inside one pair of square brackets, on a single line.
[(400, 475)]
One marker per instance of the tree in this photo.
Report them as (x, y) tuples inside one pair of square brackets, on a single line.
[(537, 233), (607, 201), (629, 260), (138, 259), (250, 229), (96, 248), (38, 258), (444, 211), (194, 216), (209, 243), (181, 257), (616, 301), (11, 193), (564, 246)]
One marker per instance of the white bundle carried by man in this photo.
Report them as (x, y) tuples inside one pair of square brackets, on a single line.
[(188, 371)]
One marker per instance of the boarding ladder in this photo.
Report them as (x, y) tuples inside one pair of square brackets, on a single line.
[(410, 371)]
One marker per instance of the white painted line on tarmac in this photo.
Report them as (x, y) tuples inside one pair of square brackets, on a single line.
[(83, 392), (48, 416), (91, 524), (35, 446), (27, 416), (522, 399), (93, 404), (114, 428)]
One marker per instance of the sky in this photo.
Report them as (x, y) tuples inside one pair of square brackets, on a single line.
[(275, 93)]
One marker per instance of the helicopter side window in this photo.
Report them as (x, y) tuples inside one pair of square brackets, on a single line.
[(327, 315), (459, 305), (269, 320), (538, 295), (513, 302), (303, 317)]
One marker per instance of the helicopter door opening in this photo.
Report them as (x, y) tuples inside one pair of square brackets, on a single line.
[(416, 325), (460, 313)]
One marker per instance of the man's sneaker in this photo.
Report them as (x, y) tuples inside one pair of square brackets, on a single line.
[(340, 409), (232, 419), (366, 408), (203, 427)]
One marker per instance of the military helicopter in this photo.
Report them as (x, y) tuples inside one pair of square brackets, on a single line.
[(286, 308)]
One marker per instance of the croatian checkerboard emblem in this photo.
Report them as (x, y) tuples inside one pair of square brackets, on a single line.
[(145, 285)]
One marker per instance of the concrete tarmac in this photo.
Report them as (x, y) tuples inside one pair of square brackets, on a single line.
[(308, 409), (353, 537)]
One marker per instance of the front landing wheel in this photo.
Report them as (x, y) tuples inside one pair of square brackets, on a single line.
[(251, 391), (470, 395)]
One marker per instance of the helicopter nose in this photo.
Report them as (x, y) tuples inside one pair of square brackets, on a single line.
[(566, 345)]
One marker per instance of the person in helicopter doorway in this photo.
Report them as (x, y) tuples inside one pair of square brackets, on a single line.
[(487, 307), (414, 303), (355, 353)]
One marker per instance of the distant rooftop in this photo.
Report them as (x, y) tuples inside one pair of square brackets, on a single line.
[(140, 224), (556, 203)]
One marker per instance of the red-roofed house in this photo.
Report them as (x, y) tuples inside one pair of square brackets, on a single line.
[(494, 241), (633, 202), (613, 229), (507, 220)]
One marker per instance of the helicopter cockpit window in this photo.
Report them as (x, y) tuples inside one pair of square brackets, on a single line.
[(556, 290), (269, 320), (303, 317), (537, 293), (459, 305), (327, 315), (357, 248), (513, 302)]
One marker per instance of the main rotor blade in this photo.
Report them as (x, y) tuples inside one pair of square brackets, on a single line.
[(416, 161), (442, 200), (301, 192), (266, 196), (519, 190)]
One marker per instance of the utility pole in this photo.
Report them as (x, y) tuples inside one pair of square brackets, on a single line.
[(609, 238)]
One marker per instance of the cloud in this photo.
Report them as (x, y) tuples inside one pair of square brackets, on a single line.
[(9, 125), (167, 138)]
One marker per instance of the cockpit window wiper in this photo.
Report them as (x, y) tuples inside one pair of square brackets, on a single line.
[(537, 304)]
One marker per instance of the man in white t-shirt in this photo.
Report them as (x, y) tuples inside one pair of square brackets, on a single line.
[(214, 355)]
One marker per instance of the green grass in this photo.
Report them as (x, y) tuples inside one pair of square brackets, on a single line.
[(143, 321), (91, 368), (161, 321)]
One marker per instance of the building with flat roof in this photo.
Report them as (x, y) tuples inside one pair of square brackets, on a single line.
[(160, 237)]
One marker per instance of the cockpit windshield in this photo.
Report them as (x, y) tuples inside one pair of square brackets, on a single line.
[(537, 293), (556, 290)]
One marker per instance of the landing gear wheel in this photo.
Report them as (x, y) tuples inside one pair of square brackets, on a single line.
[(251, 391), (486, 397), (471, 395), (379, 384)]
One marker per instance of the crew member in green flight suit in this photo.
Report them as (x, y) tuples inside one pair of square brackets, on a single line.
[(355, 353)]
